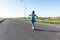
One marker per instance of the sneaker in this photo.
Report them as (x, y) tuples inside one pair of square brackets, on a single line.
[(33, 28)]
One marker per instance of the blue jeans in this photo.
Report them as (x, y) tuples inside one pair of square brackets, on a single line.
[(32, 22)]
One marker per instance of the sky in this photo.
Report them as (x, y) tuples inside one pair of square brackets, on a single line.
[(18, 8)]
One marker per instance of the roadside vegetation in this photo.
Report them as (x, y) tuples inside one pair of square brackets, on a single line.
[(52, 20), (2, 19)]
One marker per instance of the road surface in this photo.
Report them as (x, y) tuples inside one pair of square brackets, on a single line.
[(12, 29)]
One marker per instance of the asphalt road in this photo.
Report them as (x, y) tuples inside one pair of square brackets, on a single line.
[(12, 29)]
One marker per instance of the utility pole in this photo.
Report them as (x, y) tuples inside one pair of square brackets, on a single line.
[(24, 8)]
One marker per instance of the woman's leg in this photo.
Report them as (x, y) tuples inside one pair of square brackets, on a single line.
[(33, 25)]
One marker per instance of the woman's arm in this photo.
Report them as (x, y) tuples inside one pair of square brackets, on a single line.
[(36, 15)]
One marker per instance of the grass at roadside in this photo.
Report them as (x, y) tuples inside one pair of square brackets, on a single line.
[(44, 20), (52, 21), (1, 19)]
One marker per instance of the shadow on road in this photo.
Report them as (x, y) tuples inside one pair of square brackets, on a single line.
[(46, 30)]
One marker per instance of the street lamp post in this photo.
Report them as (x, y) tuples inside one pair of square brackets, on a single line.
[(16, 12), (24, 9)]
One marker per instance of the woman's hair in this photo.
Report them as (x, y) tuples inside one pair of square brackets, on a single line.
[(33, 11)]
